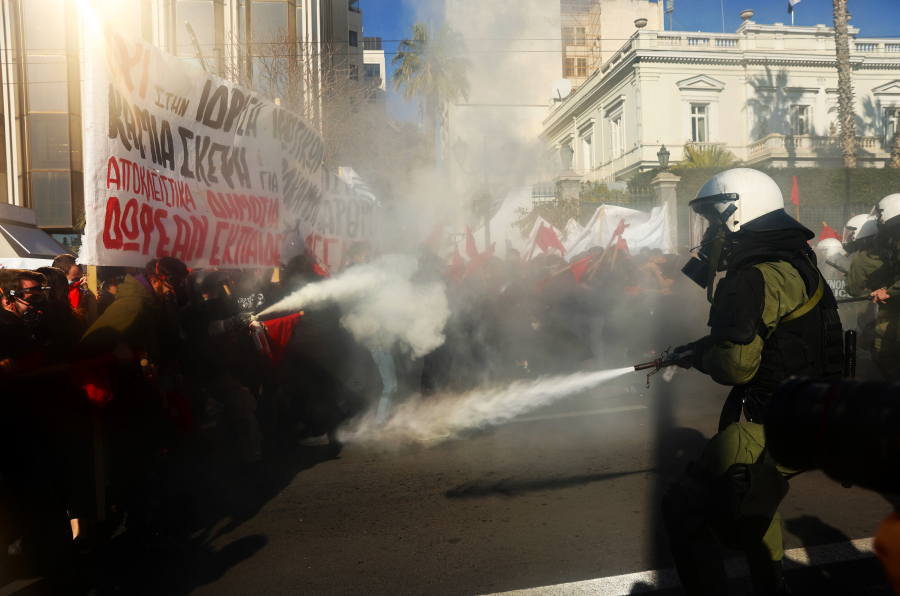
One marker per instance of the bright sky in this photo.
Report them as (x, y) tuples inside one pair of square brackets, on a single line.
[(391, 19)]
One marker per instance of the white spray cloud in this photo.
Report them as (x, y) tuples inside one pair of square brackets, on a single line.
[(443, 417), (381, 304)]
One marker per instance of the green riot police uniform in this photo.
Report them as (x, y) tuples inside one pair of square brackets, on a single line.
[(868, 272), (772, 317)]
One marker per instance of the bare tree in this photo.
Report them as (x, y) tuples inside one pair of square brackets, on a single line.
[(318, 82), (845, 84)]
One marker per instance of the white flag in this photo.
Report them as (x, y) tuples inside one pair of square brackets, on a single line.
[(791, 4)]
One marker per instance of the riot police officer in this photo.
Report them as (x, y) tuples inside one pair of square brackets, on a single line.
[(859, 234), (772, 316), (876, 270)]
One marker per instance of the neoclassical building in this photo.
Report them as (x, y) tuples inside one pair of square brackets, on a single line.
[(767, 93)]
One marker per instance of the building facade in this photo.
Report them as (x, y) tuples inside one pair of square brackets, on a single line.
[(767, 93), (592, 31), (41, 73), (374, 71), (518, 51)]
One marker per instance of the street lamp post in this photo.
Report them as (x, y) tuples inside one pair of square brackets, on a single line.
[(663, 156)]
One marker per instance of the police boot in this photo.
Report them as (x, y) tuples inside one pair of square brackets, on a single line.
[(767, 576), (694, 549)]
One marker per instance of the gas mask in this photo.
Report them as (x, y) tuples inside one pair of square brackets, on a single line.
[(37, 314), (37, 309), (717, 243)]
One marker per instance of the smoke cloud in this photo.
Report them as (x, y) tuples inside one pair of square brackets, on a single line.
[(381, 304), (443, 417)]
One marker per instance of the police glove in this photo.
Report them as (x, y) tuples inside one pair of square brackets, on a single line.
[(682, 355), (701, 347)]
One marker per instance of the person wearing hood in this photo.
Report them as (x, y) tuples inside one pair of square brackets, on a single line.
[(772, 317), (144, 312), (144, 318)]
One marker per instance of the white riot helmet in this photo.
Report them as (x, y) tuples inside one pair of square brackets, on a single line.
[(743, 199), (887, 210), (738, 200), (857, 229)]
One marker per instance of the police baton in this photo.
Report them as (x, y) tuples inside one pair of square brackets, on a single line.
[(856, 299)]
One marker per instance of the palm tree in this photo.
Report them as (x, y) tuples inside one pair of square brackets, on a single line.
[(431, 67), (894, 162), (845, 84), (711, 156)]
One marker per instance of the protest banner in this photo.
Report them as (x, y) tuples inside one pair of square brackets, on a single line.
[(178, 162), (344, 215)]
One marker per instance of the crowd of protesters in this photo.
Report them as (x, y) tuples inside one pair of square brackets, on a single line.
[(100, 390)]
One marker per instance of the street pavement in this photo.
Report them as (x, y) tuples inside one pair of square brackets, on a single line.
[(563, 500)]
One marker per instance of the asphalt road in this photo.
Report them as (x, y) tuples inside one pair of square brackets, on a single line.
[(569, 493)]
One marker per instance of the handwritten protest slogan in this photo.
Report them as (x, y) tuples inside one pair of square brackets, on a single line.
[(182, 163), (342, 216)]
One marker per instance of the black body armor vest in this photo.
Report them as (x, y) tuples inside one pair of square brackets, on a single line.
[(810, 345)]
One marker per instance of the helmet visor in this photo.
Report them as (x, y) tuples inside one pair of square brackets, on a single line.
[(708, 206)]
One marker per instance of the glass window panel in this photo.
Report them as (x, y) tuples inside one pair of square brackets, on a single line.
[(47, 83), (49, 141), (45, 26), (75, 133), (52, 199), (126, 14), (3, 166), (77, 195), (269, 20), (199, 13)]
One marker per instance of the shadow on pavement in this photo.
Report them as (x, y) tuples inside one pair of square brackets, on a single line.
[(860, 576), (211, 497), (511, 487)]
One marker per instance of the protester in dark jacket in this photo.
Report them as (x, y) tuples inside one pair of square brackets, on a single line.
[(144, 317), (144, 310), (32, 514)]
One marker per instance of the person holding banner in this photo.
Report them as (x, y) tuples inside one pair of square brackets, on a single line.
[(144, 317)]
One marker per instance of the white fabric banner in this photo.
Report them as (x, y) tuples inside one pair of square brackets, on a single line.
[(644, 229), (344, 216), (587, 238), (182, 163)]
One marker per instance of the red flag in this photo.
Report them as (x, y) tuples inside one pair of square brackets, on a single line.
[(486, 255), (622, 245), (828, 232), (456, 269), (546, 239), (434, 239), (471, 248), (95, 384), (279, 333), (578, 267), (620, 229), (795, 194), (458, 262)]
